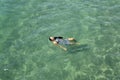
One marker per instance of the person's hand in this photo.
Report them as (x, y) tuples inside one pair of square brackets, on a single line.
[(65, 49)]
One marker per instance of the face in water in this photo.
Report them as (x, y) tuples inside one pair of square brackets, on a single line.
[(51, 38)]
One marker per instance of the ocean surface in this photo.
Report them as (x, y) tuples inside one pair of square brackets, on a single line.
[(27, 54)]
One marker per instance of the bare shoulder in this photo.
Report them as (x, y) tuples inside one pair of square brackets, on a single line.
[(54, 42)]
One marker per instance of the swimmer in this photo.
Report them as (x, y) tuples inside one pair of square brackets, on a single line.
[(59, 41)]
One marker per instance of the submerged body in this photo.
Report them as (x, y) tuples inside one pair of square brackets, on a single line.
[(62, 41)]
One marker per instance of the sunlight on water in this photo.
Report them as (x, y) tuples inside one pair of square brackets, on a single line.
[(27, 54)]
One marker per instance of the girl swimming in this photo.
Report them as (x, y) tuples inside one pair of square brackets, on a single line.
[(59, 41)]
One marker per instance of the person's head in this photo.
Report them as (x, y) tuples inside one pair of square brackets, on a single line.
[(51, 38)]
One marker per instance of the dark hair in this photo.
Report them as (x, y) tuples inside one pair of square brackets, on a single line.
[(56, 38)]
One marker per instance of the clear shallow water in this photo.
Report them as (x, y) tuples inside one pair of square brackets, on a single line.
[(26, 53)]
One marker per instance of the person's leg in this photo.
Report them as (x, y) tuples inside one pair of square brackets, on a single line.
[(71, 39)]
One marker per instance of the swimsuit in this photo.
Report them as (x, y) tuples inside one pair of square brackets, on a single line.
[(62, 41)]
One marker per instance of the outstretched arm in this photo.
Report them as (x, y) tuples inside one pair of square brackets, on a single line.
[(62, 47)]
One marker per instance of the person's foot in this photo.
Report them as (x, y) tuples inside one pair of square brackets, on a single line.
[(77, 43)]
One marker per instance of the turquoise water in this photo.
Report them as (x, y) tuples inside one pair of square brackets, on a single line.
[(27, 54)]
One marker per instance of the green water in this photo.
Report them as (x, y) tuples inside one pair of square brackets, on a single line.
[(27, 54)]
